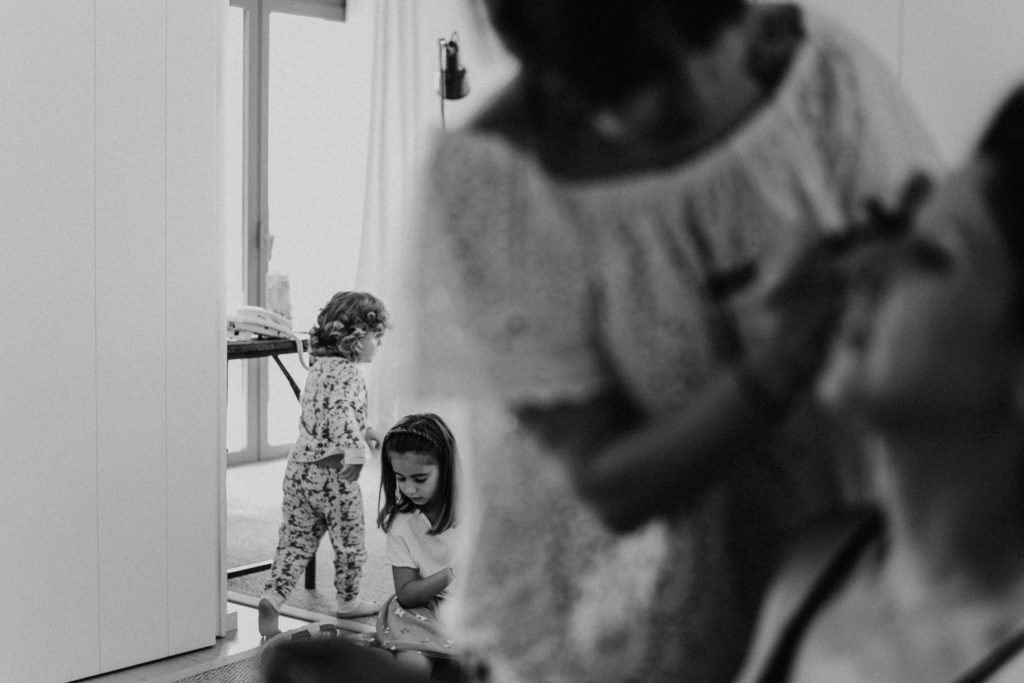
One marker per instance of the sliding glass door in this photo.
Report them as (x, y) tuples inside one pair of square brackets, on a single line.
[(297, 96)]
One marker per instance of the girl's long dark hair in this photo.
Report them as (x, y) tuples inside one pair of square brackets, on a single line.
[(1002, 144), (420, 433)]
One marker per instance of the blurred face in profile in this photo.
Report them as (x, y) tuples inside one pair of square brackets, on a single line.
[(929, 335)]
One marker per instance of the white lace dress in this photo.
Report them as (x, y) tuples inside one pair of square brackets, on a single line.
[(537, 290)]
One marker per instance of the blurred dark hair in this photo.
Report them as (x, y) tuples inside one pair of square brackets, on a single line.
[(327, 659), (1003, 146), (603, 48), (420, 433)]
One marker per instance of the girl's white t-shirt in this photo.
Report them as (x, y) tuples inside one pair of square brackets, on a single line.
[(409, 544)]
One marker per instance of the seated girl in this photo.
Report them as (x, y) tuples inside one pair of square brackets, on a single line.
[(927, 585), (418, 482)]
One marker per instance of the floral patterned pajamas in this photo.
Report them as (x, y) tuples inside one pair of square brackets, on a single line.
[(317, 499)]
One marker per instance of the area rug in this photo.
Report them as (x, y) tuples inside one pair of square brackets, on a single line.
[(316, 603), (242, 667)]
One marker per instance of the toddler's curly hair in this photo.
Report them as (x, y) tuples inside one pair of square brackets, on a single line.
[(343, 323)]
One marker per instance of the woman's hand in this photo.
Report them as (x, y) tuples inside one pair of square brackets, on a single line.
[(664, 467), (785, 326)]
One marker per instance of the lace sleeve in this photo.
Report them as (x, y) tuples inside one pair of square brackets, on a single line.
[(502, 288)]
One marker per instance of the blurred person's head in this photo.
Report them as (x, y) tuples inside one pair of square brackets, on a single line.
[(600, 50), (327, 659), (617, 67), (934, 335)]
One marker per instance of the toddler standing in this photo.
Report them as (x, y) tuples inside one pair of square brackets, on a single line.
[(321, 489)]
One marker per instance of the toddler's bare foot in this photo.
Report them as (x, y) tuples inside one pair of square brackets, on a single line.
[(268, 618)]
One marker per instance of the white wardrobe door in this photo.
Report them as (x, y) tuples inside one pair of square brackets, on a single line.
[(112, 349), (48, 527), (131, 362), (195, 323)]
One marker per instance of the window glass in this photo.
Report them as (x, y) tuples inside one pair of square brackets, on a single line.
[(232, 137), (318, 135)]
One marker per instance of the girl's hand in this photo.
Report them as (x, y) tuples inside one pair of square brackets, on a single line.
[(351, 472), (415, 591), (444, 578), (373, 439)]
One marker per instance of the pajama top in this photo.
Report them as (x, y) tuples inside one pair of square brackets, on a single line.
[(333, 418)]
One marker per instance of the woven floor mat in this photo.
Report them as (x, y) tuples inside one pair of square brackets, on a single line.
[(316, 603), (243, 667)]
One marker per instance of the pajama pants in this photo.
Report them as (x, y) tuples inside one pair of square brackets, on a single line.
[(316, 499)]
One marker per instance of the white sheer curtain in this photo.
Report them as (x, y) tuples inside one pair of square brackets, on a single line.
[(405, 121), (399, 138), (405, 124)]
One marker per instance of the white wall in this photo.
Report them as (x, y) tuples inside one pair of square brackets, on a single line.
[(488, 66), (955, 59), (112, 350)]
